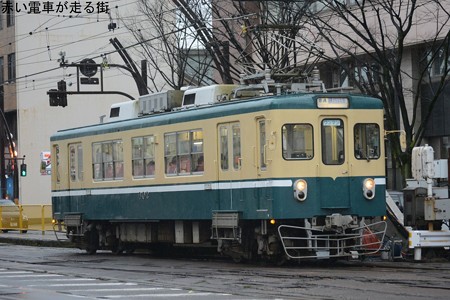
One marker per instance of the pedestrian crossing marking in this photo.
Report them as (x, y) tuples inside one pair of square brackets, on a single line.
[(126, 289), (30, 275), (86, 287), (86, 284), (61, 279), (165, 295)]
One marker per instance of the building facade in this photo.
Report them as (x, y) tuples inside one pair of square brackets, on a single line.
[(36, 38)]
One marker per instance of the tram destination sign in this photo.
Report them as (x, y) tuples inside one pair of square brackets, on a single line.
[(332, 102)]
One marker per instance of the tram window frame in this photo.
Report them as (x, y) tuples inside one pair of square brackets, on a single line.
[(237, 150), (262, 128), (56, 168), (107, 155), (143, 156), (366, 142), (303, 154), (184, 152), (76, 162), (223, 145), (332, 156), (229, 136)]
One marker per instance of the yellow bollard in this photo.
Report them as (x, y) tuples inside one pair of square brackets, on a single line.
[(43, 219), (20, 218)]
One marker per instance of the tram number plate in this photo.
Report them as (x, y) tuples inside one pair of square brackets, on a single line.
[(333, 123)]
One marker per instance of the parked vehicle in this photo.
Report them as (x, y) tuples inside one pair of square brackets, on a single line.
[(11, 217)]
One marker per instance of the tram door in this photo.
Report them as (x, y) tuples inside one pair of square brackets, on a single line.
[(262, 191), (230, 163), (334, 167)]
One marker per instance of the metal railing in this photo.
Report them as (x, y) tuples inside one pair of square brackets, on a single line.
[(302, 242), (25, 218)]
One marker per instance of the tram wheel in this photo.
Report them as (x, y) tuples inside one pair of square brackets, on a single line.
[(91, 250), (91, 238), (117, 249)]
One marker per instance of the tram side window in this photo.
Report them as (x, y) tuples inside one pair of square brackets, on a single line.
[(333, 142), (197, 151), (76, 162), (223, 140), (230, 143), (56, 168), (367, 141), (262, 144), (143, 156), (107, 160), (297, 141), (183, 152), (184, 157), (236, 146)]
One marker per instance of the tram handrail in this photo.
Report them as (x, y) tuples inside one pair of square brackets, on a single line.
[(366, 239)]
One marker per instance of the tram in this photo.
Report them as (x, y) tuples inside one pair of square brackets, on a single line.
[(256, 171)]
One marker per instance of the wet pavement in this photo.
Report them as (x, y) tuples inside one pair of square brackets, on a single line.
[(50, 238)]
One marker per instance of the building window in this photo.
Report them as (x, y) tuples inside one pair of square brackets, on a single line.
[(2, 79), (183, 152), (107, 160), (9, 13), (11, 67), (143, 156), (438, 65)]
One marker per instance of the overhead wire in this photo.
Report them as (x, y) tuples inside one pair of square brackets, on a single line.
[(28, 76)]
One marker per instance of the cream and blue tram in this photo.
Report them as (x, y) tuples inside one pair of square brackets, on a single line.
[(296, 175)]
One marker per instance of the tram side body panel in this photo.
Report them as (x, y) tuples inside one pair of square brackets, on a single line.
[(269, 191)]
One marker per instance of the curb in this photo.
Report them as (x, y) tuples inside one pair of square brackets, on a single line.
[(32, 241)]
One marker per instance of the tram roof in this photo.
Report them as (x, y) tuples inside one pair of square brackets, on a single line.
[(237, 107)]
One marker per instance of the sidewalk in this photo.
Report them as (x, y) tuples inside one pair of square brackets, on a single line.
[(48, 238)]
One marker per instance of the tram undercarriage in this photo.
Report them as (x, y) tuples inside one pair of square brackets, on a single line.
[(334, 236)]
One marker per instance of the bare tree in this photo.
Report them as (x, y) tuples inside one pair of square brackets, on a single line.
[(368, 41), (250, 36), (166, 40), (185, 40)]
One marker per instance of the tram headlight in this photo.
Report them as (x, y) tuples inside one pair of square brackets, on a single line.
[(369, 188), (300, 190)]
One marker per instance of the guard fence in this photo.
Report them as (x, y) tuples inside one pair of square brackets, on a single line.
[(26, 218)]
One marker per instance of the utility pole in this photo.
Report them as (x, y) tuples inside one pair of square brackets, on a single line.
[(2, 149)]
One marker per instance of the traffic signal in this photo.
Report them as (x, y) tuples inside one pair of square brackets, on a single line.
[(53, 95), (58, 97), (62, 96), (23, 170)]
